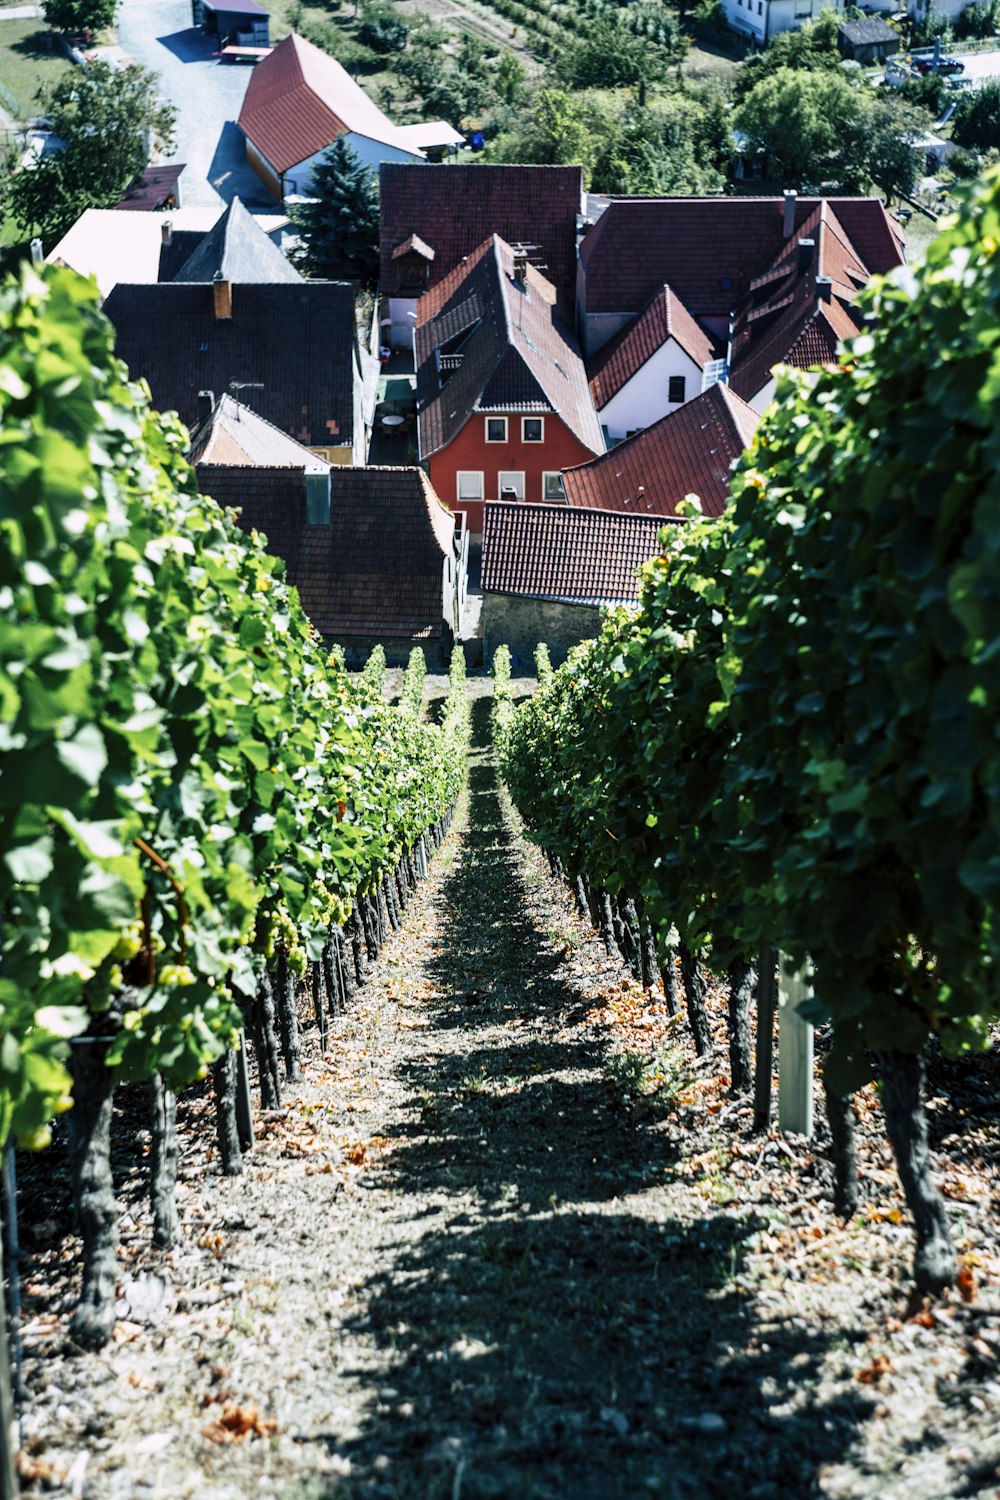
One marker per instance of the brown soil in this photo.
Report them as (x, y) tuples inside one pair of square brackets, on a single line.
[(509, 1240)]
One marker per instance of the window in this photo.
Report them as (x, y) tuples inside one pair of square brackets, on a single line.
[(552, 487), (510, 481), (470, 484), (532, 429), (496, 429), (318, 499), (675, 388)]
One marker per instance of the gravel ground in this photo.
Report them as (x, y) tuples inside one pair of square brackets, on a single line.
[(509, 1240)]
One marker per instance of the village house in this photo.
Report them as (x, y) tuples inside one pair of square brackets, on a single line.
[(867, 40), (433, 217), (689, 452), (708, 251), (375, 556), (298, 102), (113, 245), (761, 20), (503, 402), (237, 318), (652, 366), (549, 571)]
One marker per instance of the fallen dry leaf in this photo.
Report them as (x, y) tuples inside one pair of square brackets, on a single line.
[(871, 1374), (238, 1422), (966, 1284)]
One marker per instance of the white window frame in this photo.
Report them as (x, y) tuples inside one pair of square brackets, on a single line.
[(541, 435), (556, 474), (517, 474), (499, 439), (477, 474)]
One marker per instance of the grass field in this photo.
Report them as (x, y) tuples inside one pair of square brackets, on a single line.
[(26, 64)]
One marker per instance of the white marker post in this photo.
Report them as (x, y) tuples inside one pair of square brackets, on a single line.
[(795, 1051)]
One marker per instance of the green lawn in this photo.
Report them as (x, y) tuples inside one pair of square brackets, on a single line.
[(26, 64)]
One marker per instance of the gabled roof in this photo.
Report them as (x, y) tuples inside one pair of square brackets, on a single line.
[(299, 100), (573, 556), (234, 435), (454, 208), (708, 250), (788, 315), (115, 245), (664, 317), (348, 572), (237, 249), (152, 188), (866, 31), (515, 354), (689, 452), (297, 342)]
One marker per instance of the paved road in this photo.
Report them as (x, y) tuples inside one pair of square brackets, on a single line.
[(980, 65), (207, 95)]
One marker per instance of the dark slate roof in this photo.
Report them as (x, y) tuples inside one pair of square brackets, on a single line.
[(348, 573), (709, 250), (454, 208), (151, 189), (864, 33), (516, 354), (664, 317), (689, 452), (297, 341), (183, 244), (574, 556), (238, 250)]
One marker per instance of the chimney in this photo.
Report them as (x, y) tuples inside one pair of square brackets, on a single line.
[(520, 266), (166, 232), (824, 288), (36, 253), (222, 293), (788, 228), (805, 256), (206, 405)]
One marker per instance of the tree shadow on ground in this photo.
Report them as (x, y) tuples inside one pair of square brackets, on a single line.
[(559, 1329)]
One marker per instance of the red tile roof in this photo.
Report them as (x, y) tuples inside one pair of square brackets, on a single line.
[(454, 208), (516, 355), (577, 556), (788, 317), (664, 317), (708, 250), (153, 188), (299, 100), (688, 452), (348, 573)]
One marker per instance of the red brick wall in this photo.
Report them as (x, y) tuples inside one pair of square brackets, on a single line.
[(470, 451)]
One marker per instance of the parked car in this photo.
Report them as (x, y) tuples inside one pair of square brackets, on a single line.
[(948, 67)]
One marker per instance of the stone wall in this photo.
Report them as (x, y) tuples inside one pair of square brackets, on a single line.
[(521, 624)]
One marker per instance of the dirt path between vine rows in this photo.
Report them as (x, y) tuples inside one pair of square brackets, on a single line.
[(479, 1255)]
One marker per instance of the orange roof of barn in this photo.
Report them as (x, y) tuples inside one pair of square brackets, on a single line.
[(300, 100)]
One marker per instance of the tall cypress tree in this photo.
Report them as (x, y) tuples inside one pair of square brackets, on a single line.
[(339, 229)]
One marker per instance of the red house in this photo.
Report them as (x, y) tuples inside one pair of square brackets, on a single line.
[(503, 402)]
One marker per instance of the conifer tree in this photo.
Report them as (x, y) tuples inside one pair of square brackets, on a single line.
[(339, 228)]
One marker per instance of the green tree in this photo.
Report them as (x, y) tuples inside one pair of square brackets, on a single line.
[(559, 133), (338, 230), (890, 156), (509, 78), (808, 124), (79, 15), (383, 29), (813, 48), (976, 121), (608, 57), (107, 118)]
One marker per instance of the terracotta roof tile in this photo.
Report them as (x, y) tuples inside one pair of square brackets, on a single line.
[(297, 341), (152, 188), (299, 100), (554, 552), (664, 317), (454, 208), (514, 352), (348, 573), (689, 452), (708, 250)]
